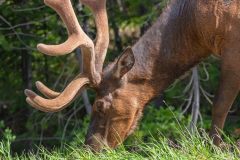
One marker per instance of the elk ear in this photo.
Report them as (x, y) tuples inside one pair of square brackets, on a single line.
[(125, 62)]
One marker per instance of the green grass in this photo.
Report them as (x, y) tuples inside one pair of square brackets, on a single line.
[(187, 146), (160, 136)]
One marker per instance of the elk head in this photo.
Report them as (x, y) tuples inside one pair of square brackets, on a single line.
[(115, 112)]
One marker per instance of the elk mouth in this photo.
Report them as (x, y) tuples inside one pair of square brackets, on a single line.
[(101, 138), (97, 142)]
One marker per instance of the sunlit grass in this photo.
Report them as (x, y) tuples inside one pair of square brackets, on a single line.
[(187, 146)]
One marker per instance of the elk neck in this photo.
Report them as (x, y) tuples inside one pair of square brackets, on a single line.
[(166, 51)]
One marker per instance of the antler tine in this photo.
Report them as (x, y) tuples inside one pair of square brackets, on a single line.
[(61, 101), (99, 10), (31, 103), (46, 91), (77, 37)]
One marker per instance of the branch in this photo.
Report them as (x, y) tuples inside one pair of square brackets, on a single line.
[(196, 100)]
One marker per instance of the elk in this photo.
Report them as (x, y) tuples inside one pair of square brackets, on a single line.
[(187, 32)]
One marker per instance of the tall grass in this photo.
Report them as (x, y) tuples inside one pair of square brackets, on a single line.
[(188, 146), (181, 146)]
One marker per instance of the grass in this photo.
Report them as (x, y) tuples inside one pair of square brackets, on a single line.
[(180, 145), (186, 147)]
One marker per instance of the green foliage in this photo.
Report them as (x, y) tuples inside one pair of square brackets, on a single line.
[(157, 122), (5, 144)]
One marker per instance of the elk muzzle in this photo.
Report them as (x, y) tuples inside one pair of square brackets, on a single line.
[(95, 142)]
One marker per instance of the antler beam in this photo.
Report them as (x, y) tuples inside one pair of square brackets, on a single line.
[(99, 10)]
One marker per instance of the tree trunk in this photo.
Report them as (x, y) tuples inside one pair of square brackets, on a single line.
[(26, 70)]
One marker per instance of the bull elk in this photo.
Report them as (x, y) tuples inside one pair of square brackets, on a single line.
[(186, 32)]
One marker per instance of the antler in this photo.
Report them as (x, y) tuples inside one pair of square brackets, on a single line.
[(98, 8), (76, 35), (61, 101), (46, 91), (77, 38)]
